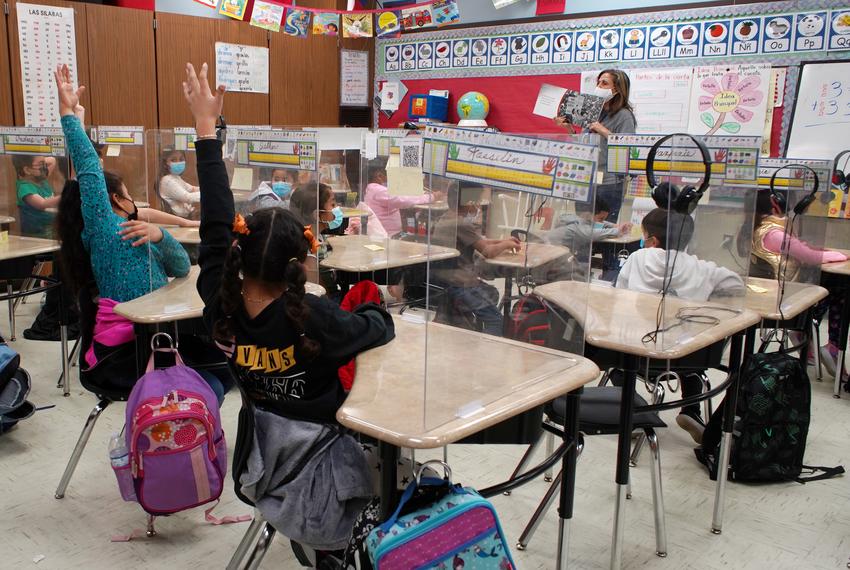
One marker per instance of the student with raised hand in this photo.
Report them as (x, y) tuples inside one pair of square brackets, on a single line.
[(101, 257), (284, 345)]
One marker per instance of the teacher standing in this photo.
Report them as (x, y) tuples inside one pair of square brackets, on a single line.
[(618, 118)]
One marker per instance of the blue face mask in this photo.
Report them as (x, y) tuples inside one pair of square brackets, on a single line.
[(337, 221), (177, 168), (641, 243), (282, 189)]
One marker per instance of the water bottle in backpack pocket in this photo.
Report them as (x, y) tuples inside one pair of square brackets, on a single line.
[(176, 447)]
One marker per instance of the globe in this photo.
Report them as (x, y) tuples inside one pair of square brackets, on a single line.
[(472, 108)]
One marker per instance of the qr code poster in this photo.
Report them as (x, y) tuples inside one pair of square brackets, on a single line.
[(411, 152)]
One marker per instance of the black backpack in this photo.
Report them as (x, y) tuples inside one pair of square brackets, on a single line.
[(771, 424), (530, 321), (14, 389)]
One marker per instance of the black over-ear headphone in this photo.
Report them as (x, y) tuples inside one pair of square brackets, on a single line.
[(683, 201), (803, 204), (838, 177)]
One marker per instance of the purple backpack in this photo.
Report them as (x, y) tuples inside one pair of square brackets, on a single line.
[(178, 456)]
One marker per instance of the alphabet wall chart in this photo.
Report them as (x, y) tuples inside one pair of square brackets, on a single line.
[(797, 32)]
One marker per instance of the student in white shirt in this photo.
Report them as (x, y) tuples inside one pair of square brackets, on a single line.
[(179, 196), (665, 237)]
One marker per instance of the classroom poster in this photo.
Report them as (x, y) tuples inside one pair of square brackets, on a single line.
[(296, 23), (417, 18), (267, 15), (208, 3), (325, 24), (357, 25), (354, 78), (233, 8), (729, 99), (445, 12), (387, 24), (242, 68), (47, 38)]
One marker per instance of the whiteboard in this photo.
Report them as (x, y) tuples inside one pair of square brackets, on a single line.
[(821, 117)]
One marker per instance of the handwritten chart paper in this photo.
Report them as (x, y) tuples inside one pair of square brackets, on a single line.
[(242, 68), (47, 39), (730, 99), (354, 78)]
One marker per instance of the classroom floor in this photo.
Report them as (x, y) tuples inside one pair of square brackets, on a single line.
[(781, 526)]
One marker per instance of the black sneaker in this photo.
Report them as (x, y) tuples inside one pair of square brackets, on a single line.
[(39, 333), (692, 423)]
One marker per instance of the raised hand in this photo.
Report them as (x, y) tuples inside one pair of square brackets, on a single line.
[(205, 106), (69, 97)]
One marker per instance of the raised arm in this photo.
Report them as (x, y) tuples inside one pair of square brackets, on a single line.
[(217, 210), (95, 200)]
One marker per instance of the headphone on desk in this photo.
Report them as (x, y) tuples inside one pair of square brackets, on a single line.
[(683, 201), (838, 177), (803, 204)]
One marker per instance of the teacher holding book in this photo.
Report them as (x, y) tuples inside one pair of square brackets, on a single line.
[(617, 117)]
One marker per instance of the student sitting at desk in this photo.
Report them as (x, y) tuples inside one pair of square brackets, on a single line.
[(35, 195), (285, 347), (101, 256), (178, 195), (316, 207), (665, 237), (466, 291), (577, 231), (765, 260), (385, 205), (275, 190)]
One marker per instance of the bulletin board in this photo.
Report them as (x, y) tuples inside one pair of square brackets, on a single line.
[(783, 34)]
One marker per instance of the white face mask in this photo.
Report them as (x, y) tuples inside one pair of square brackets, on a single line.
[(603, 92)]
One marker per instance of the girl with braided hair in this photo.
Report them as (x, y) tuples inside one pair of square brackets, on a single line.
[(284, 345)]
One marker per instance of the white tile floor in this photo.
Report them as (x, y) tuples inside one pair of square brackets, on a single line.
[(772, 526)]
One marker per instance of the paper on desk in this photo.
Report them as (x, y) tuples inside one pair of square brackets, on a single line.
[(373, 247), (405, 181), (243, 179), (756, 288), (113, 150), (548, 100)]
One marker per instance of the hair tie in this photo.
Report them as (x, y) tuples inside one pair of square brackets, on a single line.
[(291, 259), (240, 226), (311, 239), (302, 334)]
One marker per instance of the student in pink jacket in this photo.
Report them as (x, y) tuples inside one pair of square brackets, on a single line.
[(386, 206)]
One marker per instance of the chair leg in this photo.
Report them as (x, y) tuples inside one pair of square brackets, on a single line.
[(605, 377), (526, 457), (534, 522), (9, 291), (816, 336), (657, 495), (150, 531), (550, 449), (81, 445), (66, 367), (446, 454), (259, 550), (248, 540), (707, 408), (636, 449)]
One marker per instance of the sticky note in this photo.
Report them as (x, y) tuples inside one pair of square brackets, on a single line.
[(405, 181), (243, 179), (373, 247), (756, 288), (113, 150)]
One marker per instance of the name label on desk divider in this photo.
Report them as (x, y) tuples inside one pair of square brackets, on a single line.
[(469, 410), (113, 150)]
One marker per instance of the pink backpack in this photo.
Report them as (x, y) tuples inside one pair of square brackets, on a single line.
[(178, 456)]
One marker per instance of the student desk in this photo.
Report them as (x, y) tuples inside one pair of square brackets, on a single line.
[(763, 295), (394, 402), (20, 247), (179, 300), (841, 271), (615, 320), (186, 236), (352, 253), (528, 256)]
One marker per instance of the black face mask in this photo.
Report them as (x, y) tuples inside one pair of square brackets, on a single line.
[(131, 216)]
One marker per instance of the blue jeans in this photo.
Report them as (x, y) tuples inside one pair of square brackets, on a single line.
[(479, 300)]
